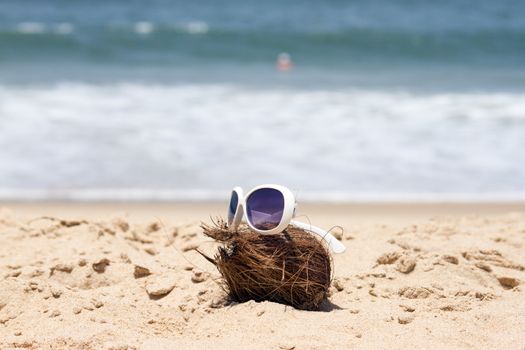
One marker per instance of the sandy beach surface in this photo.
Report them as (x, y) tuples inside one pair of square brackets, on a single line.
[(124, 276)]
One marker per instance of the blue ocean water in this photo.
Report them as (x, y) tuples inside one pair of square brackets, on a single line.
[(182, 99)]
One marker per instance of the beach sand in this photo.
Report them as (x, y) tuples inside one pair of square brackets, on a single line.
[(124, 276)]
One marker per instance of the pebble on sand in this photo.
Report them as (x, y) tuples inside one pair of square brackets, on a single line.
[(508, 282), (141, 271), (160, 286), (100, 266), (406, 264)]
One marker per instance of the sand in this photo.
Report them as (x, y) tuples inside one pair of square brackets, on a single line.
[(117, 276)]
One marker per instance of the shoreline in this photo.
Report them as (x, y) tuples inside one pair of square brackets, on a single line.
[(358, 212), (138, 195)]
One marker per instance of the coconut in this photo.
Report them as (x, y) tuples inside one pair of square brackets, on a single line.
[(292, 267)]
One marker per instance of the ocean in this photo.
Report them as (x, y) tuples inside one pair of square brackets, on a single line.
[(165, 100)]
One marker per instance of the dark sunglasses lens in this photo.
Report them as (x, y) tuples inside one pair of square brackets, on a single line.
[(234, 200), (265, 208)]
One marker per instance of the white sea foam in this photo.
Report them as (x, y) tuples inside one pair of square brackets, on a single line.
[(143, 27), (64, 28), (31, 27), (139, 141), (196, 27)]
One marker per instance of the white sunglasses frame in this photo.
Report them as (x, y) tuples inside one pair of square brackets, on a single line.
[(286, 219)]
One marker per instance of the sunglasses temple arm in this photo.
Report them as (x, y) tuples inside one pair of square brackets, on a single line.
[(335, 245)]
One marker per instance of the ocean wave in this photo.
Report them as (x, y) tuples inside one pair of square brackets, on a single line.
[(37, 28), (198, 38), (196, 27), (143, 27), (353, 103), (30, 28), (191, 27), (156, 137)]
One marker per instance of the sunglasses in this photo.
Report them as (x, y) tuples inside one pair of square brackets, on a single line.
[(270, 209)]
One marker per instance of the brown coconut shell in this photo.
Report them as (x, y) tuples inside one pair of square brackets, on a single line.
[(292, 268)]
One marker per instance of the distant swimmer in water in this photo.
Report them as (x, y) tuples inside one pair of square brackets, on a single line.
[(284, 62)]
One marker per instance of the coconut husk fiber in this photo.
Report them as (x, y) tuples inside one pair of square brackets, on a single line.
[(292, 268)]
